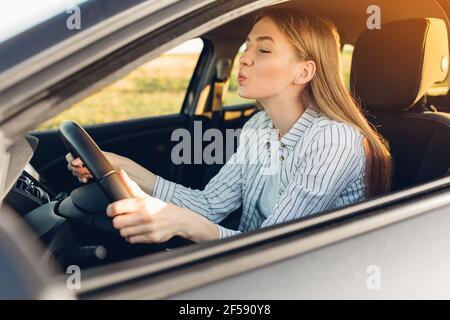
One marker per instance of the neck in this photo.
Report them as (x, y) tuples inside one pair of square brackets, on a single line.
[(284, 113)]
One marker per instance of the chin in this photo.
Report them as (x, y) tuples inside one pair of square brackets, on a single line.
[(243, 94)]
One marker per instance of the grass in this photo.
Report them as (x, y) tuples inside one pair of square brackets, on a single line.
[(156, 88)]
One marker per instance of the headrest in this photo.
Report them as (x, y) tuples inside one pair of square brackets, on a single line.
[(393, 67)]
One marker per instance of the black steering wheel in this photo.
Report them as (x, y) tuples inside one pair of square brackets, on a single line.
[(81, 145), (86, 205)]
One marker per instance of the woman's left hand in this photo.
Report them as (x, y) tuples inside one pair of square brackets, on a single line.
[(145, 219)]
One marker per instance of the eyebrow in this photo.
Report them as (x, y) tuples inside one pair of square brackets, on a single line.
[(261, 38)]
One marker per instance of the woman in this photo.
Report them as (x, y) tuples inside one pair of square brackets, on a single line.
[(318, 150)]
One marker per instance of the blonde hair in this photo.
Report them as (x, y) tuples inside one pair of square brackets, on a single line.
[(316, 39)]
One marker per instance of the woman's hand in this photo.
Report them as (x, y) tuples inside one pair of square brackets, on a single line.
[(145, 219), (145, 178), (76, 166)]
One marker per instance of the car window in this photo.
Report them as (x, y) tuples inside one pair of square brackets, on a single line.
[(346, 58), (154, 89)]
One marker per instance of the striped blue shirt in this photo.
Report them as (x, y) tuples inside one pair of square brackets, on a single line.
[(321, 165)]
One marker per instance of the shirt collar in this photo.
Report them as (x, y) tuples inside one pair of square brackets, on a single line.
[(294, 134)]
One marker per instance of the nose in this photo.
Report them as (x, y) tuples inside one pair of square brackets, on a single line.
[(245, 59)]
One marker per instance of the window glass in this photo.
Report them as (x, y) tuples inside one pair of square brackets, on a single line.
[(154, 89), (346, 54)]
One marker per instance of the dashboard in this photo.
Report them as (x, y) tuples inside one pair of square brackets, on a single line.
[(25, 190), (28, 193)]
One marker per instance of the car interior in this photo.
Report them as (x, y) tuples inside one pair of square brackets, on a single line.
[(393, 73)]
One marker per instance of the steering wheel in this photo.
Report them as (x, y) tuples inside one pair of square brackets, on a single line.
[(86, 205), (81, 145)]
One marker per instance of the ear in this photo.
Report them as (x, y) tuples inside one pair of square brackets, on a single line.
[(306, 71)]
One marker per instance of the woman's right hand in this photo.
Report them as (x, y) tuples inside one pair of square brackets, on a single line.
[(76, 166)]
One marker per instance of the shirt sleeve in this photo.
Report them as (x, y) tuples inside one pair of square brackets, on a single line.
[(223, 193), (221, 196), (334, 158)]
